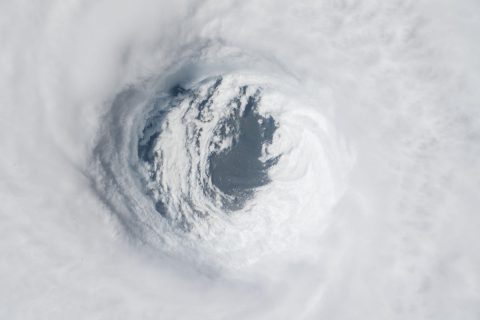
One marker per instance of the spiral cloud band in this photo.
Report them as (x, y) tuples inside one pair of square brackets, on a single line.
[(230, 167), (239, 159)]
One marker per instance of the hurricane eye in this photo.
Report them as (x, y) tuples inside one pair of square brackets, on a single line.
[(215, 166), (222, 154)]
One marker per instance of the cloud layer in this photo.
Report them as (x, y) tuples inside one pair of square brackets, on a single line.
[(377, 101)]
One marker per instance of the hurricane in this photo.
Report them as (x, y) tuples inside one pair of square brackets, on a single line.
[(239, 159)]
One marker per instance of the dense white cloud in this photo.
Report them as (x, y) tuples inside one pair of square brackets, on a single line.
[(388, 88)]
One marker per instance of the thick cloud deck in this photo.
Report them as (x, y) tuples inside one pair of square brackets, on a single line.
[(254, 159)]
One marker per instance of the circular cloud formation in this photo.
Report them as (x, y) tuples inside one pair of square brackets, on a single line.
[(222, 170), (254, 159)]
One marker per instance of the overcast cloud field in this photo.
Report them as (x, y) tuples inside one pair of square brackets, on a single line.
[(262, 159)]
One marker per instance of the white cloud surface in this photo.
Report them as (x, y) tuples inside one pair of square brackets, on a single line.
[(396, 79)]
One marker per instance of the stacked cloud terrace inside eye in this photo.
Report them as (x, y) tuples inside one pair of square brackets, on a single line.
[(205, 151)]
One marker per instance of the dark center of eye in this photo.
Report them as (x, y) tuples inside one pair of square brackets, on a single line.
[(239, 170)]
